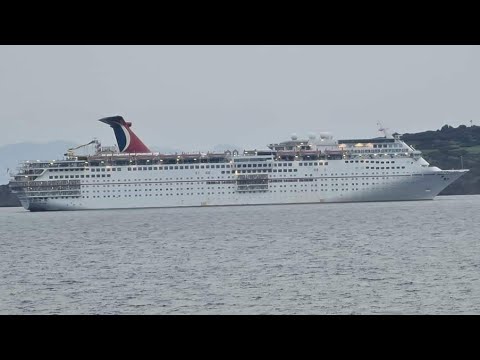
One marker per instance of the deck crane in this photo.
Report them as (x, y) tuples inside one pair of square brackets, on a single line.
[(70, 152)]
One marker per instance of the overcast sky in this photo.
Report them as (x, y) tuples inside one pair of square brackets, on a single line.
[(194, 97)]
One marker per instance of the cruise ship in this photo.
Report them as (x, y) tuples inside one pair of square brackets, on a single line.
[(317, 169)]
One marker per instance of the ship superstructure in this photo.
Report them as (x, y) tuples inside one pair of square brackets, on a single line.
[(314, 170)]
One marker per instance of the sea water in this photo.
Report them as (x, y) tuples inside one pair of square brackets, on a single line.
[(415, 257)]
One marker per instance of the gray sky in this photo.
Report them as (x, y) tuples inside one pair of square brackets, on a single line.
[(193, 97)]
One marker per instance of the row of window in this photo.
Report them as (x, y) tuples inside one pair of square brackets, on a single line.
[(263, 171), (62, 197), (178, 167), (221, 193), (363, 151), (78, 176), (311, 186), (384, 168), (276, 181), (383, 146), (72, 169), (369, 161), (313, 164), (238, 171), (223, 172), (167, 180), (186, 167), (192, 167), (107, 169)]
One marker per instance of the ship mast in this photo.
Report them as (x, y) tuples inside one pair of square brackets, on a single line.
[(384, 130)]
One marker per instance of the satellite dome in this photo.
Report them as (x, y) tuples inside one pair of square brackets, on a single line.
[(326, 135), (294, 137)]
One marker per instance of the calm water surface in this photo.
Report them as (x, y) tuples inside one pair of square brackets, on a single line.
[(361, 258)]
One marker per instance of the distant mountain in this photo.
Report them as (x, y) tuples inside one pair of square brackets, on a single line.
[(11, 155)]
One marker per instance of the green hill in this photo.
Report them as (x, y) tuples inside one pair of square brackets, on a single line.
[(447, 148), (7, 198)]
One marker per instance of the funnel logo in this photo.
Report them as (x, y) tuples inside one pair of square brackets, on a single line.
[(127, 141), (123, 137)]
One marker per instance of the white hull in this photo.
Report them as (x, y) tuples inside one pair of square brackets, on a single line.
[(126, 192)]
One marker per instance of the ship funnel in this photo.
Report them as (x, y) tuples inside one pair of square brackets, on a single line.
[(127, 141)]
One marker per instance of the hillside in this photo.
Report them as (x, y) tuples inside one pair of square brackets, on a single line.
[(7, 199), (446, 148)]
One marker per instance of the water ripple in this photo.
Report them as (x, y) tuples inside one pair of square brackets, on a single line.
[(369, 258)]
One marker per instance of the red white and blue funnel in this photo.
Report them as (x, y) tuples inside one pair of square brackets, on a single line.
[(127, 141)]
